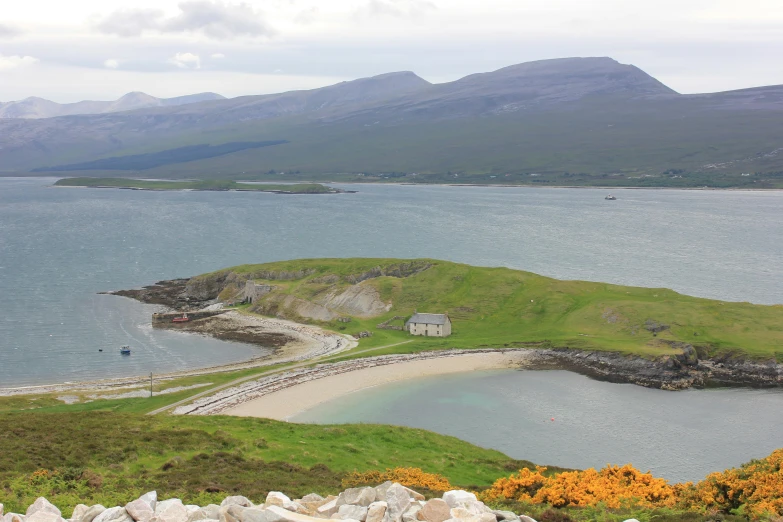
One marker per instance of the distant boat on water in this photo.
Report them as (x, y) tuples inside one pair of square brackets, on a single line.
[(125, 350), (610, 197)]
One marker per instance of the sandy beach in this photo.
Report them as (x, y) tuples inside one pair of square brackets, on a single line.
[(282, 397)]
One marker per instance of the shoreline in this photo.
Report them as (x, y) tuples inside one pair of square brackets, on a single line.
[(305, 342), (307, 387), (287, 402)]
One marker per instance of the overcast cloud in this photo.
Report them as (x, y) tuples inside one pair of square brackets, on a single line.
[(99, 49)]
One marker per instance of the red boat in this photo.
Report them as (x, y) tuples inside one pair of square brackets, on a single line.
[(183, 319)]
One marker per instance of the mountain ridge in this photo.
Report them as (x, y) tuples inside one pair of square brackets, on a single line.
[(34, 107)]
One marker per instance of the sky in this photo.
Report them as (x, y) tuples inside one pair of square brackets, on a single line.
[(73, 50)]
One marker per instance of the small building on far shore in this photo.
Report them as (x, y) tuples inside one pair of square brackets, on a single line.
[(430, 325)]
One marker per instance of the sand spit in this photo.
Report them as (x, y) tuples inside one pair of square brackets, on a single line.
[(304, 342), (283, 395)]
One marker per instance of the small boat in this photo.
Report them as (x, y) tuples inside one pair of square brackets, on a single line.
[(125, 350), (100, 349), (183, 319), (610, 197)]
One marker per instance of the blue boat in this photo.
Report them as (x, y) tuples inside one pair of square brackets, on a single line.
[(125, 350)]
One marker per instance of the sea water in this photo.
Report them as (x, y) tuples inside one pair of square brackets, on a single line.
[(59, 247), (564, 419)]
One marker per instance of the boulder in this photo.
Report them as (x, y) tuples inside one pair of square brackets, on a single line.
[(411, 514), (312, 497), (231, 513), (350, 511), (275, 498), (505, 516), (467, 515), (44, 516), (456, 497), (260, 515), (380, 491), (143, 508), (328, 509), (237, 500), (13, 517), (525, 518), (90, 513), (288, 516), (1, 510), (376, 511), (435, 510), (171, 510), (357, 497), (210, 512), (398, 501), (115, 514), (78, 512), (631, 520), (41, 504)]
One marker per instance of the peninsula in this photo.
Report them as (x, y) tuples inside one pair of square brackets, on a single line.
[(650, 337), (205, 184)]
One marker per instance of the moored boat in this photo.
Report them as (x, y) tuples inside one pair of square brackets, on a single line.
[(610, 197), (125, 350), (183, 319)]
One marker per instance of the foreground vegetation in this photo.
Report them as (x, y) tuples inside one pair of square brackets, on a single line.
[(500, 307), (113, 458), (206, 184)]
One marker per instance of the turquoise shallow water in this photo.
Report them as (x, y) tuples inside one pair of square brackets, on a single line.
[(59, 247), (677, 435)]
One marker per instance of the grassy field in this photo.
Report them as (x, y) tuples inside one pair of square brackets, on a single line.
[(500, 307), (111, 458), (207, 184)]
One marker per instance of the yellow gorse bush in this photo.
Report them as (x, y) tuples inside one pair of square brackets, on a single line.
[(757, 487), (612, 486)]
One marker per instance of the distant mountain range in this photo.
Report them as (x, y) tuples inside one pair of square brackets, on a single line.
[(564, 121), (34, 108)]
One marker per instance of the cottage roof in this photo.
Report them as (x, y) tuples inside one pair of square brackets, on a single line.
[(428, 319)]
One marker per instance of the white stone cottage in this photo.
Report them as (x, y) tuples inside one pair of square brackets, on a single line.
[(431, 325)]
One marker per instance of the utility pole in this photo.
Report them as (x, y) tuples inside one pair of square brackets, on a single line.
[(150, 384)]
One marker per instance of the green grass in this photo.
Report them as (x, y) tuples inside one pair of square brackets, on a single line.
[(500, 307), (207, 184), (111, 458)]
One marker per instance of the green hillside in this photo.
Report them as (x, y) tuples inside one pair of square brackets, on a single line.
[(496, 307), (206, 184)]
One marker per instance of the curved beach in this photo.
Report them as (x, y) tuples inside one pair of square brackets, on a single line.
[(284, 395)]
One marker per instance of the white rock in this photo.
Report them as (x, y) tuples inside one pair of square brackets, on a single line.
[(44, 516), (380, 491), (398, 500), (171, 510), (312, 497), (237, 500), (210, 512), (1, 510), (525, 518), (288, 516), (115, 514), (435, 510), (90, 514), (376, 511), (631, 520), (410, 514), (231, 513), (41, 504), (260, 515), (349, 511), (328, 509), (78, 512), (14, 517), (505, 516), (276, 498), (143, 508), (455, 497), (357, 496)]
